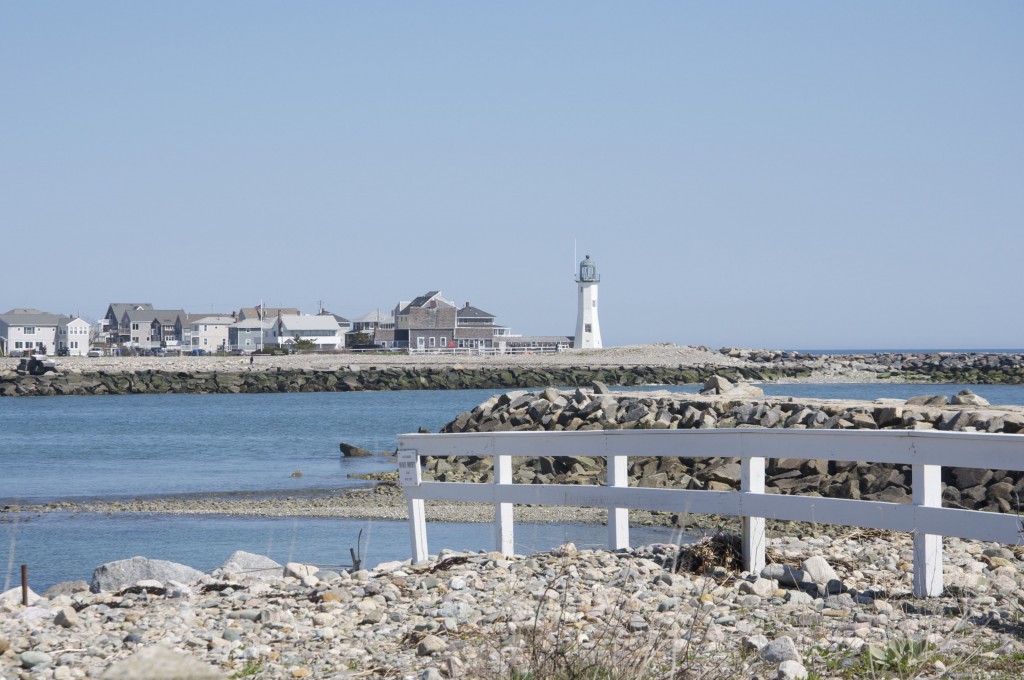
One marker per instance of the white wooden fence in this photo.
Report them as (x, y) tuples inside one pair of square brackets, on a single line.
[(926, 451)]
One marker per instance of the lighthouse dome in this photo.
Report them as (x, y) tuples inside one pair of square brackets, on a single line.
[(588, 270)]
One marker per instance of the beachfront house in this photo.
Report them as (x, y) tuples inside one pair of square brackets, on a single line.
[(248, 335), (322, 330), (74, 336), (377, 327), (116, 334), (167, 327), (474, 328), (25, 330), (210, 333), (149, 328), (428, 322)]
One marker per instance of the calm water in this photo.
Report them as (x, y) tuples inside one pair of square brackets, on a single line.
[(79, 448)]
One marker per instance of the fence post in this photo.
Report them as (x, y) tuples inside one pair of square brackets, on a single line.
[(503, 519), (927, 547), (618, 518), (410, 478), (752, 481)]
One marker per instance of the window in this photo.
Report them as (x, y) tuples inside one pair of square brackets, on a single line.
[(586, 328), (593, 303), (135, 326), (433, 340), (444, 342), (18, 345), (30, 330), (206, 341)]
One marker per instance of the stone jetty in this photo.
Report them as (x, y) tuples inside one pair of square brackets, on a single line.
[(823, 605), (623, 366)]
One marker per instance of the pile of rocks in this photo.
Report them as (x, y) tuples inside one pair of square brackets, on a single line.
[(820, 606), (726, 405)]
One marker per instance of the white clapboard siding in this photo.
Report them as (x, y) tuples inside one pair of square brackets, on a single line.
[(927, 451)]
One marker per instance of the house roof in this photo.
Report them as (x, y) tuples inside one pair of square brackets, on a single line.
[(320, 322), (253, 322), (250, 312), (337, 317), (424, 300), (69, 320), (376, 316), (119, 308), (26, 316), (470, 312), (213, 320), (149, 315)]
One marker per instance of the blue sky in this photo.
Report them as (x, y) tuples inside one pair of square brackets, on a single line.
[(784, 174)]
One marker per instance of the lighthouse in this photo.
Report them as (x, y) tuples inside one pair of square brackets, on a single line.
[(588, 330)]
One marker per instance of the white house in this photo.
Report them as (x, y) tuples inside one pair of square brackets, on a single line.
[(29, 330), (322, 330), (210, 333), (74, 335)]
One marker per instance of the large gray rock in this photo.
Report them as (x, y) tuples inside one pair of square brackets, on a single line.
[(161, 663), (66, 588), (744, 390), (781, 649), (791, 670), (967, 398), (786, 575), (819, 570), (120, 574), (353, 451), (14, 596), (716, 384), (250, 565)]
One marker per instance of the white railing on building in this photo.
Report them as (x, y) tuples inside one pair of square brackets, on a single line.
[(489, 351), (926, 451)]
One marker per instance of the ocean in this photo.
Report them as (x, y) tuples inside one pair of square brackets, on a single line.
[(122, 447)]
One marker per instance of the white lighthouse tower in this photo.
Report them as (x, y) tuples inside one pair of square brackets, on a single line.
[(588, 330)]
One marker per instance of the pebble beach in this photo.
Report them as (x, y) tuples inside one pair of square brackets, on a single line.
[(834, 606)]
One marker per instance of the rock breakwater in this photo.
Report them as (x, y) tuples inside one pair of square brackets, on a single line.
[(553, 410), (360, 378), (976, 368)]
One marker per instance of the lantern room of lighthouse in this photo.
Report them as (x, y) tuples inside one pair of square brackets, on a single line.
[(588, 330)]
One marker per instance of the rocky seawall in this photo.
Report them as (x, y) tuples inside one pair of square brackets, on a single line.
[(359, 378), (725, 405), (977, 368)]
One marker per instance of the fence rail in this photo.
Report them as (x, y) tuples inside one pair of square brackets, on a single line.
[(927, 452)]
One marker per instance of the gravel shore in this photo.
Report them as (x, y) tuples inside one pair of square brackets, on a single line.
[(828, 606)]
